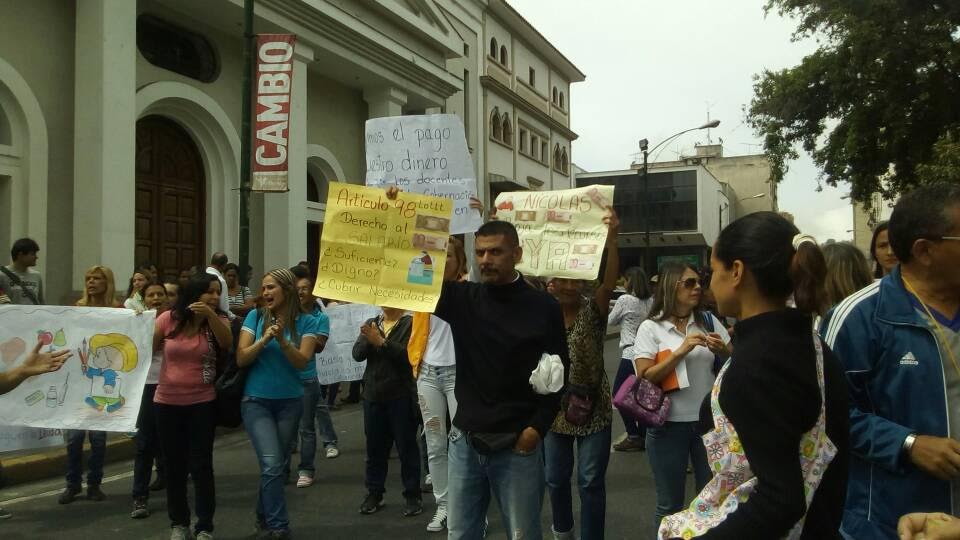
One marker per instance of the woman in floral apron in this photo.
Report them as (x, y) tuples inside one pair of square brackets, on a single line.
[(776, 420)]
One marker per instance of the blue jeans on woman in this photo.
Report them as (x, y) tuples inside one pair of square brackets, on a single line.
[(98, 450), (634, 430), (271, 425), (315, 412), (593, 455), (669, 449)]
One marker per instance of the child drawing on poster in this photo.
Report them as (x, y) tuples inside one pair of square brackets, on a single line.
[(102, 359)]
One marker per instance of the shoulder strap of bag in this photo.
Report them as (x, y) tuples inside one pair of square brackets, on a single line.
[(15, 279)]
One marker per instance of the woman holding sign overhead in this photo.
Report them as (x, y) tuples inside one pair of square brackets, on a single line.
[(676, 349), (585, 414), (276, 343)]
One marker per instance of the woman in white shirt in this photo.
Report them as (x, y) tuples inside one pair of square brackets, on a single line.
[(629, 311), (675, 349), (436, 375)]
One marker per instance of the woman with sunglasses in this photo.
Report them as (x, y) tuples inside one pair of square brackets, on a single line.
[(675, 349)]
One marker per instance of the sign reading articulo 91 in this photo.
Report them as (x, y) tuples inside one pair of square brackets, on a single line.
[(271, 129)]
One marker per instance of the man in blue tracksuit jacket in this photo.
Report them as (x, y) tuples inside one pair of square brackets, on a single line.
[(904, 456)]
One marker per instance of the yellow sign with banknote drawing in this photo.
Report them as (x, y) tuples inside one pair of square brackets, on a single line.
[(380, 251), (561, 232)]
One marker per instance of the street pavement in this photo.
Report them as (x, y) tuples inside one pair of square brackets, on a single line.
[(327, 510)]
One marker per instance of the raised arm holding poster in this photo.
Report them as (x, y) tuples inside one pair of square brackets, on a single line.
[(425, 154), (383, 252), (99, 388), (561, 232)]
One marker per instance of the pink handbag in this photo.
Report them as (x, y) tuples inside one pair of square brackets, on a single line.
[(643, 401)]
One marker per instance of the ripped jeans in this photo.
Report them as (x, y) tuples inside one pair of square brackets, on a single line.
[(438, 406)]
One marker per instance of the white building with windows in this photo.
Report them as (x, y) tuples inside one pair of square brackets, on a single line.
[(526, 88), (120, 119)]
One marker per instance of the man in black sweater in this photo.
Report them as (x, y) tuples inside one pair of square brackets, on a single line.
[(501, 327)]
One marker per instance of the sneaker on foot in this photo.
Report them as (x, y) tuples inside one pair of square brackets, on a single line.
[(5, 514), (179, 532), (304, 480), (372, 503), (268, 534), (69, 494), (159, 484), (94, 493), (439, 521), (412, 507), (204, 535), (630, 445), (332, 452), (562, 535), (140, 509)]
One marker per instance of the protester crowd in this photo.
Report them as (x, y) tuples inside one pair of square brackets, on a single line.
[(810, 395)]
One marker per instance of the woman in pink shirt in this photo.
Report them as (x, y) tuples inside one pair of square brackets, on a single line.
[(191, 334)]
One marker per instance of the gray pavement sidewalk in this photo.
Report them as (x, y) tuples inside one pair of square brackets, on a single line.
[(327, 510)]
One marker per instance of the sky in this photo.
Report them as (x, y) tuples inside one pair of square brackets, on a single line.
[(655, 68)]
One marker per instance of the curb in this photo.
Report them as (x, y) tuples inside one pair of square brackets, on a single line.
[(52, 462)]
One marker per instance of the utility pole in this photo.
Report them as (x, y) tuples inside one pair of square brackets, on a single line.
[(245, 135)]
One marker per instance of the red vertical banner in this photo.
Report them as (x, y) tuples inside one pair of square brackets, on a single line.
[(271, 126)]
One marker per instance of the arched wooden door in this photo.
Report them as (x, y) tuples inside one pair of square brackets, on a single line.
[(170, 197)]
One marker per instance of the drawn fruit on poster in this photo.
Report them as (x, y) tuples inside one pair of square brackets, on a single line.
[(11, 349), (60, 339), (45, 337)]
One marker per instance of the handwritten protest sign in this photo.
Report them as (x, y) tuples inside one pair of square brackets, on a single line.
[(24, 438), (377, 251), (561, 232), (98, 388), (335, 363), (425, 154)]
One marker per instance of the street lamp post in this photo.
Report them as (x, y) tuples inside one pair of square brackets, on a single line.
[(646, 191)]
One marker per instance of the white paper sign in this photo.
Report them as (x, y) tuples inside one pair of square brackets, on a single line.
[(335, 363), (425, 154), (22, 438), (99, 388)]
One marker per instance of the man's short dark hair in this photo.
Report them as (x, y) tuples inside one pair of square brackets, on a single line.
[(922, 213), (218, 259), (300, 272), (24, 246), (500, 228)]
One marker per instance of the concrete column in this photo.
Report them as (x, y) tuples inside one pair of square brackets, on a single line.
[(104, 137), (382, 102), (285, 214)]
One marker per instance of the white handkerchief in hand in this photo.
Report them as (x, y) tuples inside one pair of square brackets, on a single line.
[(547, 378)]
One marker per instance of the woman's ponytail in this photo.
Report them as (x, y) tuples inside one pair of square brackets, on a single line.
[(782, 261), (808, 272)]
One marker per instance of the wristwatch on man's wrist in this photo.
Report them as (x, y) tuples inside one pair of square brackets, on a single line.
[(908, 444)]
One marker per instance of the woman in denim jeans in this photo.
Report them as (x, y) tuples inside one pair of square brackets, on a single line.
[(276, 342), (675, 349), (586, 324), (436, 376)]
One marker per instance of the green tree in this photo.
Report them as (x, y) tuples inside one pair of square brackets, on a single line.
[(870, 104)]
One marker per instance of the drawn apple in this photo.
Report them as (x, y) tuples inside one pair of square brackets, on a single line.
[(45, 337)]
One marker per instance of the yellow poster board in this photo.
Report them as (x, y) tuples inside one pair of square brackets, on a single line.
[(377, 251), (561, 232)]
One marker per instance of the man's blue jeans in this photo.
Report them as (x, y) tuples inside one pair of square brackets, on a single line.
[(593, 455), (271, 425), (517, 481), (315, 411), (669, 449), (98, 449)]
